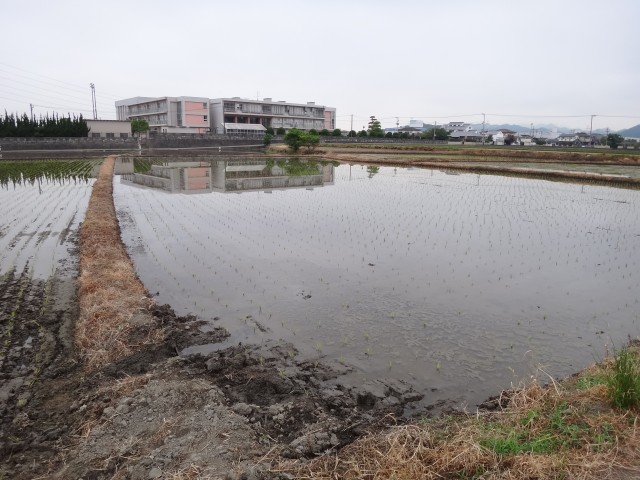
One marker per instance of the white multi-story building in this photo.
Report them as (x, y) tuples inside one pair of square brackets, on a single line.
[(224, 115), (238, 114), (167, 114)]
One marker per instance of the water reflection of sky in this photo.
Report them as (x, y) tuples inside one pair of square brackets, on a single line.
[(460, 284)]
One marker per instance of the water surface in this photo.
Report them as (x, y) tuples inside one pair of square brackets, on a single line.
[(458, 283)]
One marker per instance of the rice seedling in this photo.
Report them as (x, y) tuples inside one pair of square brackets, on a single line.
[(442, 244)]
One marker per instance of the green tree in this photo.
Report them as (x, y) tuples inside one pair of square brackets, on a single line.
[(337, 133), (295, 139), (314, 131), (324, 132), (614, 140), (389, 135), (375, 129), (139, 125), (310, 140), (266, 139), (372, 170), (269, 131), (362, 133), (352, 133), (281, 131), (438, 133), (509, 139)]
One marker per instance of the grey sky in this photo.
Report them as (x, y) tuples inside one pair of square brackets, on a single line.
[(541, 62)]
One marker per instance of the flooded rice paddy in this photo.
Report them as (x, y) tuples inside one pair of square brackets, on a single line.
[(460, 284), (43, 203)]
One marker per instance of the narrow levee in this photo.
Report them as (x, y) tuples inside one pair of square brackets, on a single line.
[(109, 291)]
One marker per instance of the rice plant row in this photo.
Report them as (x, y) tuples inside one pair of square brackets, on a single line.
[(33, 171), (446, 279)]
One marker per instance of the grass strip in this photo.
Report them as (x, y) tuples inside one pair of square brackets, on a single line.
[(110, 293)]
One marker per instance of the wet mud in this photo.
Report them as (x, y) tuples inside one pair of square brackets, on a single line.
[(238, 405)]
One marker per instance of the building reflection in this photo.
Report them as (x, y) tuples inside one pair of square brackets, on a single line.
[(232, 175)]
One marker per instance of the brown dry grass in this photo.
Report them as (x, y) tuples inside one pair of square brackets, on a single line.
[(110, 293), (566, 432)]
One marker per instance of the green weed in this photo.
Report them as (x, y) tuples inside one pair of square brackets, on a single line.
[(623, 383), (590, 381)]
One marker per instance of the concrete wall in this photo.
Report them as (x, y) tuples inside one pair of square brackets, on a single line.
[(64, 143)]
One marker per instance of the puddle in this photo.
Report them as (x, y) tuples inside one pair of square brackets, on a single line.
[(460, 284)]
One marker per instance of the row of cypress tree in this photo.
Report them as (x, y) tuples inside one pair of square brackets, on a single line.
[(48, 126)]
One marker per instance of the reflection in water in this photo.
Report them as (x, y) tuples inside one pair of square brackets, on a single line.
[(231, 175)]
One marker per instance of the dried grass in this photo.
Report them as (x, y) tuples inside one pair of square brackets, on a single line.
[(588, 439), (192, 472), (125, 386), (110, 292)]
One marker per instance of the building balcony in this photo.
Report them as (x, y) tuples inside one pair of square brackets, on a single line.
[(137, 112)]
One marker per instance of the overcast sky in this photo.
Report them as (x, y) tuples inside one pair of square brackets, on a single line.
[(539, 62)]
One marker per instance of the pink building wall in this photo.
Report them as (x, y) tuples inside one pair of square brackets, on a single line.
[(327, 120), (194, 115)]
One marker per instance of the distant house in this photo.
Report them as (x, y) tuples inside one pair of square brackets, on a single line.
[(465, 136), (577, 139), (456, 126), (109, 128), (500, 135), (525, 140), (410, 130)]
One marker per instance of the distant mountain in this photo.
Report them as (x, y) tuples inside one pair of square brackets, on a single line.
[(518, 128), (548, 129), (507, 126), (631, 132)]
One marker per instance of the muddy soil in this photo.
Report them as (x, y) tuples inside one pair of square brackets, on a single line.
[(231, 414)]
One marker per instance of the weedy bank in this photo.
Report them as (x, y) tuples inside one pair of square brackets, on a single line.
[(583, 427)]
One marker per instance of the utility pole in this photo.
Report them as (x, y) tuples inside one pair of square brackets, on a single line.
[(484, 117), (435, 124), (591, 131), (351, 130), (31, 105), (93, 101), (397, 124)]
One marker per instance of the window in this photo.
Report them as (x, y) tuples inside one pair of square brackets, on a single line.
[(95, 135), (124, 135), (204, 105), (205, 118), (111, 135)]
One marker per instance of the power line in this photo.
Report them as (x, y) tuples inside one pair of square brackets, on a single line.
[(47, 87), (61, 97), (76, 86)]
